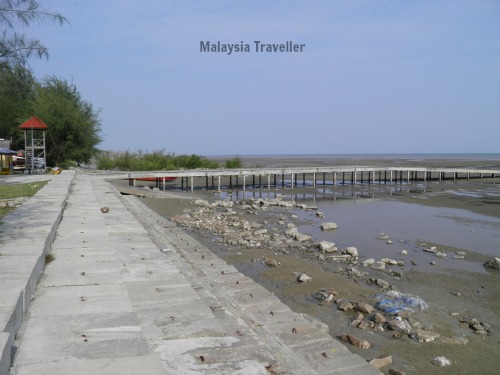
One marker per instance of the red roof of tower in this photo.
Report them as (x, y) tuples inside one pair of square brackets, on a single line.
[(33, 123)]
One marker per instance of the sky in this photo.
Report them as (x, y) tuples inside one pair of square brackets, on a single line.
[(374, 76)]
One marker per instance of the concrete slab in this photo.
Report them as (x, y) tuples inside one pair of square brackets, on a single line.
[(82, 300), (148, 364)]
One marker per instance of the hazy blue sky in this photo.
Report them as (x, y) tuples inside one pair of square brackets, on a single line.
[(380, 76)]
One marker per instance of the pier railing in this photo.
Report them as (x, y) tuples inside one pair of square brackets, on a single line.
[(296, 176)]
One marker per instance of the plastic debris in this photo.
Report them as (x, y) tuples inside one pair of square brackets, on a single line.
[(393, 302), (441, 361)]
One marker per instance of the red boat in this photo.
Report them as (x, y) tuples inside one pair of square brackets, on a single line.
[(157, 179)]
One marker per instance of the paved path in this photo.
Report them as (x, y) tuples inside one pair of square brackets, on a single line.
[(130, 293)]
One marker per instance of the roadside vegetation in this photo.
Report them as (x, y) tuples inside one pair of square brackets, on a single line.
[(8, 193), (158, 161)]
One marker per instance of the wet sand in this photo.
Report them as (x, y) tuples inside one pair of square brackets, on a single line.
[(453, 288)]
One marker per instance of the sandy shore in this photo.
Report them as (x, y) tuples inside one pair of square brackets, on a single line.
[(457, 290)]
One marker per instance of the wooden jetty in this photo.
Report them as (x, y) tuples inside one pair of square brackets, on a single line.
[(306, 176)]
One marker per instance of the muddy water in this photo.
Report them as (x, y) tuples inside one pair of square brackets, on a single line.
[(453, 217)]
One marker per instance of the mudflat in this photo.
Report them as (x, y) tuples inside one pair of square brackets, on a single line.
[(432, 238)]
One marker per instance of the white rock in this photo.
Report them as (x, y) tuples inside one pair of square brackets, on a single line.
[(328, 226), (303, 278), (368, 262), (352, 251), (327, 247)]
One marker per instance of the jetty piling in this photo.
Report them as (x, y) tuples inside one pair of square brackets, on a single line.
[(290, 177)]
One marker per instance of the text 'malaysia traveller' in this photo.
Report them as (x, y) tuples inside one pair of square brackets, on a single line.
[(258, 47)]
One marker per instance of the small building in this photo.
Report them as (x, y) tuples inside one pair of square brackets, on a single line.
[(6, 161)]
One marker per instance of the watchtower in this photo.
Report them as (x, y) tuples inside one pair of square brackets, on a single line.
[(34, 144)]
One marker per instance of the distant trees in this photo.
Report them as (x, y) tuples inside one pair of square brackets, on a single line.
[(16, 48), (74, 127), (17, 92)]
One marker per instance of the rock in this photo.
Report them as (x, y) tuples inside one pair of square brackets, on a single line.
[(400, 325), (394, 371), (320, 214), (291, 231), (352, 251), (368, 262), (378, 266), (383, 237), (388, 242), (430, 250), (404, 252), (493, 263), (422, 335), (271, 262), (379, 318), (104, 210), (363, 307), (328, 226), (357, 320), (441, 254), (327, 247), (303, 278), (357, 342), (382, 283), (441, 361), (301, 237), (346, 306), (381, 362), (392, 262)]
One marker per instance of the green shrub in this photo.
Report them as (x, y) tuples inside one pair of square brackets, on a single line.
[(233, 163)]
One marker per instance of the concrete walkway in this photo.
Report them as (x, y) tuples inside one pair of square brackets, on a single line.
[(130, 293)]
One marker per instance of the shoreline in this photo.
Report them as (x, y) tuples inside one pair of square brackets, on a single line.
[(452, 296)]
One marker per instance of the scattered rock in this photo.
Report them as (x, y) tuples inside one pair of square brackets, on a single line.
[(383, 237), (271, 262), (104, 210), (400, 325), (320, 214), (328, 226), (327, 247), (346, 306), (441, 254), (368, 262), (379, 318), (493, 263), (357, 342), (352, 251), (363, 307), (404, 252), (422, 335), (381, 362), (382, 283), (303, 278), (378, 266)]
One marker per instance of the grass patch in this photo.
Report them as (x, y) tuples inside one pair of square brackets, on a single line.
[(17, 191)]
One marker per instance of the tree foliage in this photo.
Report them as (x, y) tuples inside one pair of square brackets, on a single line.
[(17, 92), (15, 47), (74, 128)]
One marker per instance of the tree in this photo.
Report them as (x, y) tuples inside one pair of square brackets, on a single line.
[(17, 92), (74, 127), (16, 48)]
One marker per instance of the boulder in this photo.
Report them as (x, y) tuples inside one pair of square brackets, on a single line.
[(493, 263), (381, 362), (328, 226), (352, 251), (357, 342), (327, 247)]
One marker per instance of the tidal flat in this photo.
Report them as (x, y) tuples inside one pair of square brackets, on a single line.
[(439, 234)]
